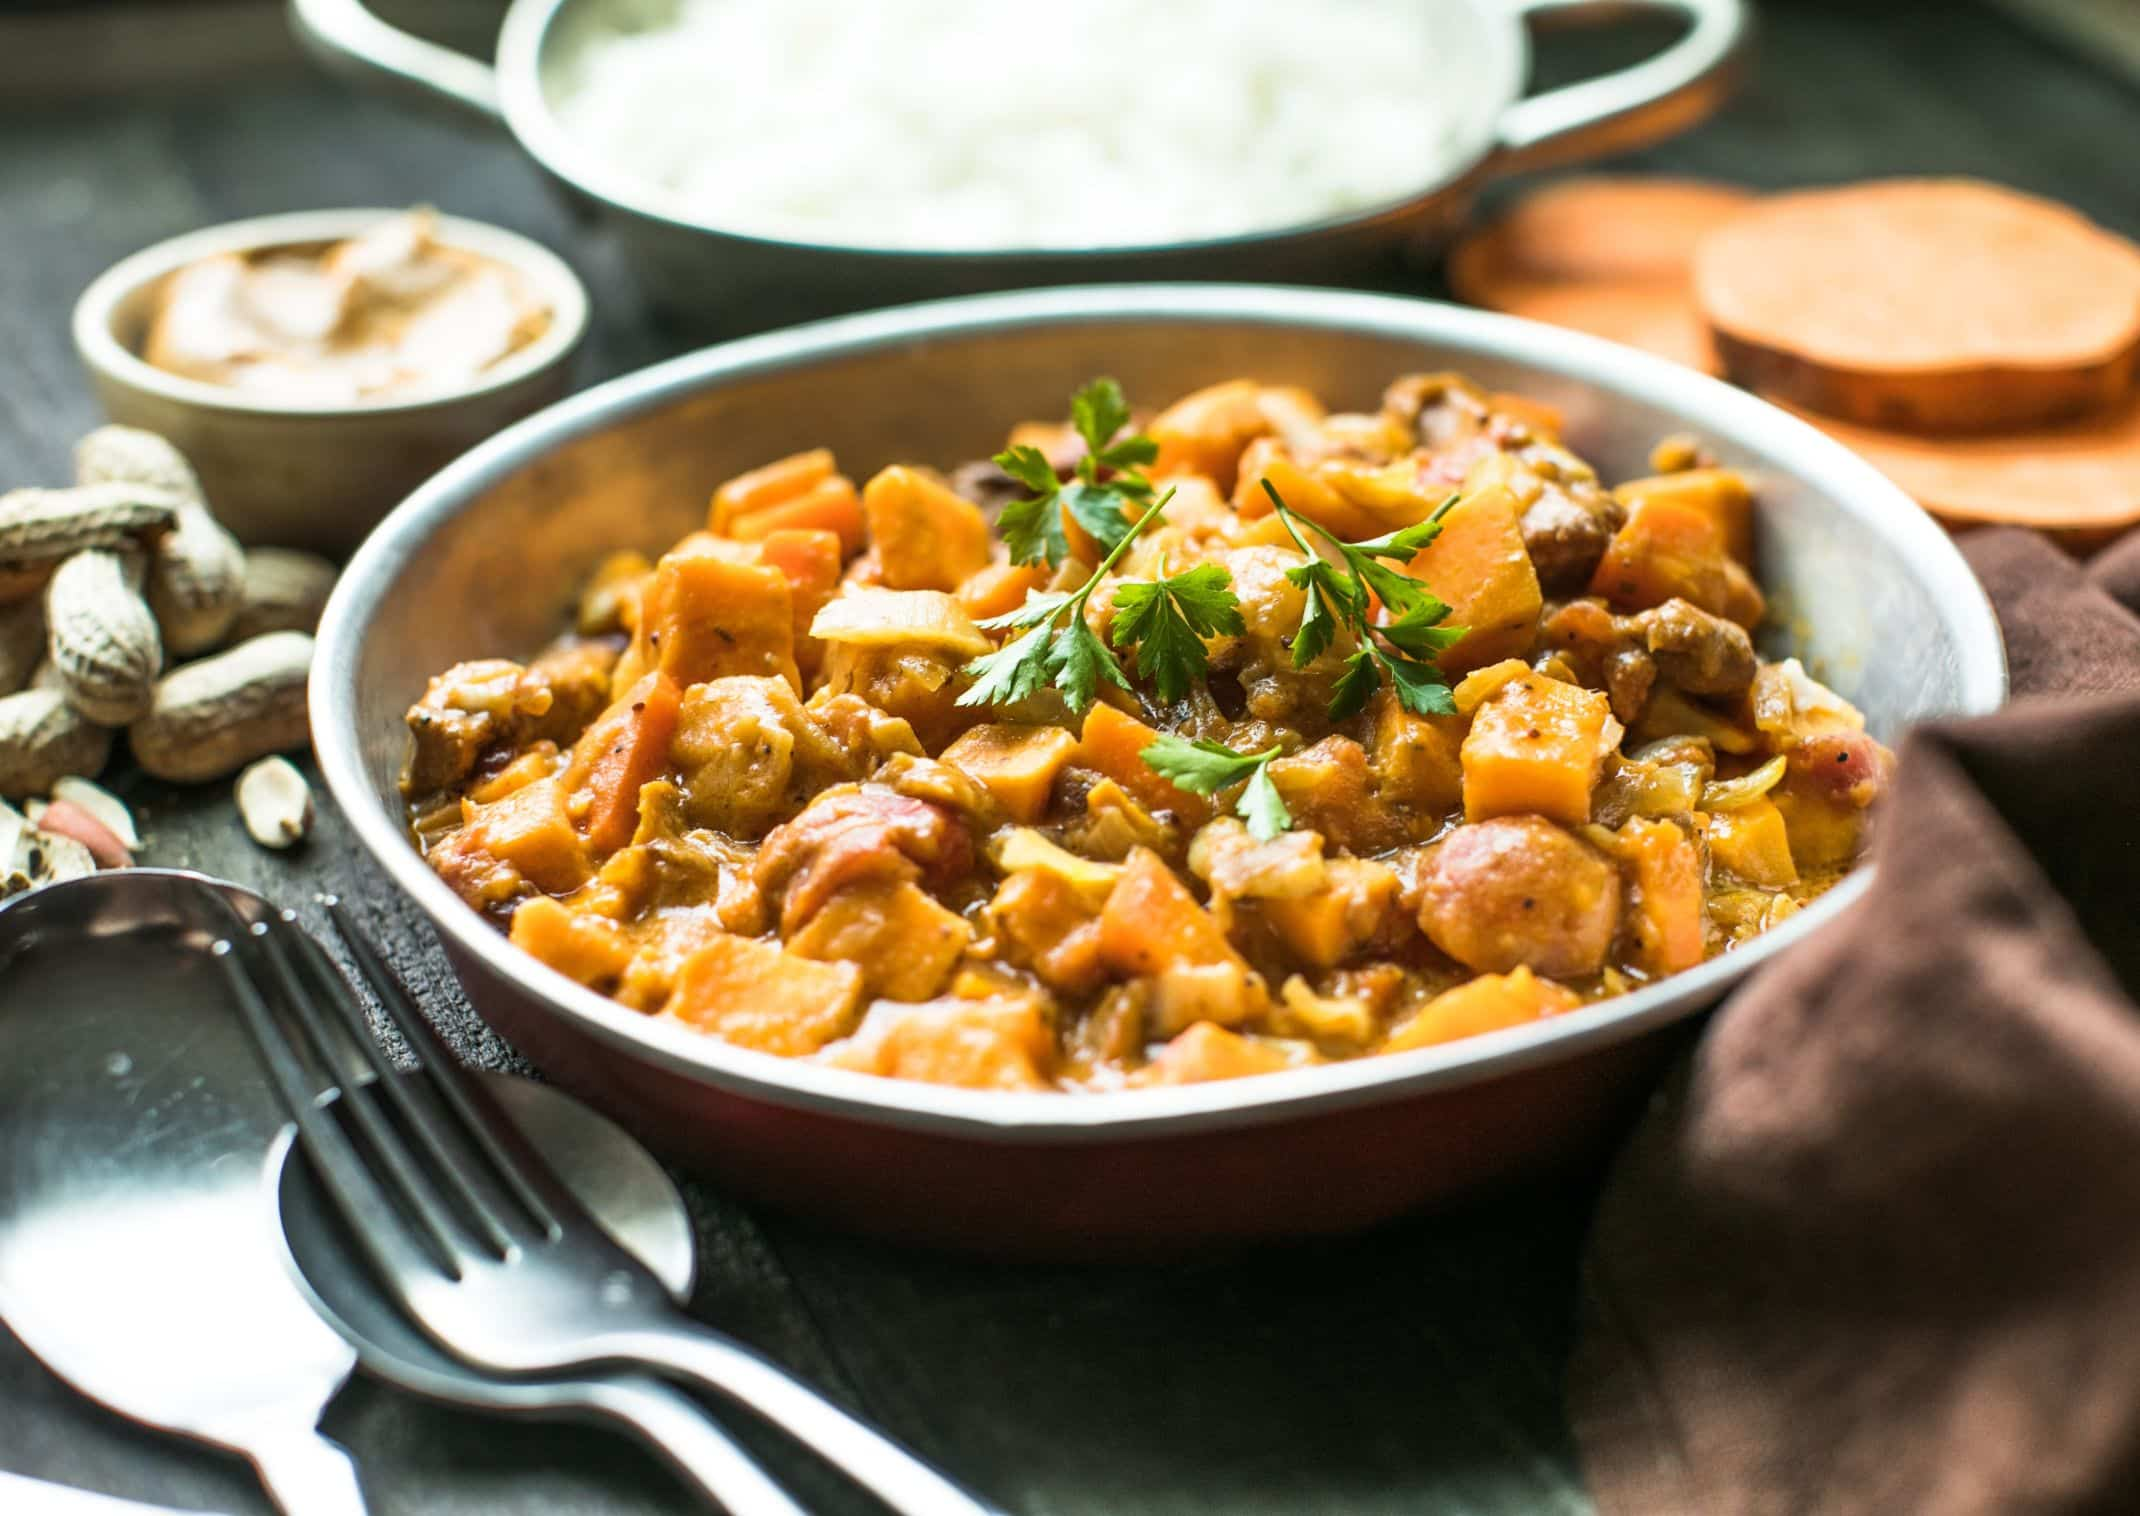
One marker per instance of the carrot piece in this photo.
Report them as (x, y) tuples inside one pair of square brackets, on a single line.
[(2081, 481), (627, 747), (830, 504), (1016, 764), (1607, 256), (1536, 747), (1151, 922), (1480, 567), (1670, 549), (927, 536), (1664, 895), (783, 479), (1113, 744), (756, 995), (1485, 1004), (705, 615), (1000, 588), (1854, 302)]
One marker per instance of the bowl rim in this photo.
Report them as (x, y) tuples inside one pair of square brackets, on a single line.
[(1501, 69), (109, 358), (1099, 1117)]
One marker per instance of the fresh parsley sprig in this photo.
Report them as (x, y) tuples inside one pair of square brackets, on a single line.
[(1404, 646), (1056, 647), (1033, 527), (1167, 620), (1205, 768)]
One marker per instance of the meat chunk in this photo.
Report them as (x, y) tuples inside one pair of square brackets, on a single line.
[(1701, 653), (856, 834), (1566, 532), (1519, 891), (495, 704)]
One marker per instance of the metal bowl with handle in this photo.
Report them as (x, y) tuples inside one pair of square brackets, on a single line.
[(722, 275), (487, 558)]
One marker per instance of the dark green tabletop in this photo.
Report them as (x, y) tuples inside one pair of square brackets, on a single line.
[(1416, 1370)]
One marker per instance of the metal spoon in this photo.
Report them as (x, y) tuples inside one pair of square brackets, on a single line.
[(134, 1256), (636, 1205)]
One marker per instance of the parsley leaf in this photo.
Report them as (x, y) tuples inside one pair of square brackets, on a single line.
[(1105, 508), (1167, 621), (1403, 645), (1204, 768), (1057, 647)]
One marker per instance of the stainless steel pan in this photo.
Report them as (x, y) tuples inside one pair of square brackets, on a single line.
[(727, 278), (486, 559)]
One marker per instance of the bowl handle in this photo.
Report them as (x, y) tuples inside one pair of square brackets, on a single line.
[(348, 37), (1634, 106)]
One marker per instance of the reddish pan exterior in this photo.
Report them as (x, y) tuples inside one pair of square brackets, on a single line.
[(1330, 1172)]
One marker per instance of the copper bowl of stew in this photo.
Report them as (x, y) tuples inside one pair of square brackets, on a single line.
[(488, 558)]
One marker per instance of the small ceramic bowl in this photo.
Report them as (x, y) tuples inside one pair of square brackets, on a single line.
[(312, 475)]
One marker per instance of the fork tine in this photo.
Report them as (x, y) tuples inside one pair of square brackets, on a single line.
[(391, 1163), (488, 1128), (380, 1226), (447, 1168)]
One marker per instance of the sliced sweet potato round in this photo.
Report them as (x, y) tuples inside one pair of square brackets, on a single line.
[(2081, 480), (1608, 256), (1595, 229), (1934, 305)]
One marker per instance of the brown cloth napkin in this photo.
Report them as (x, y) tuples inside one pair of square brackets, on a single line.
[(1877, 1248)]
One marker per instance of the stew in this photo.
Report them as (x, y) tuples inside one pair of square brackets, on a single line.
[(1248, 737)]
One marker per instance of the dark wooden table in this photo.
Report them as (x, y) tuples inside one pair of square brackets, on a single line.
[(1416, 1370)]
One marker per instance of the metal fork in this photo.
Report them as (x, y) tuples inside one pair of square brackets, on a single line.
[(477, 1238)]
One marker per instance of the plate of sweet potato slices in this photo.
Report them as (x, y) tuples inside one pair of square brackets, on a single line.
[(1978, 345)]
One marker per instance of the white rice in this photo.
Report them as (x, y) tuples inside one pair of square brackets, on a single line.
[(1006, 123)]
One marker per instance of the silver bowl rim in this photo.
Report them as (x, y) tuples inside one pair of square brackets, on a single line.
[(1504, 63), (1704, 404)]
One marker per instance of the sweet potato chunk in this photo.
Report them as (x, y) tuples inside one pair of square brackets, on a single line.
[(580, 945), (749, 755), (1152, 922), (1017, 764), (1664, 895), (1416, 760), (1517, 891), (1207, 1051), (1305, 493), (1670, 548), (626, 747), (1000, 588), (1113, 744), (1537, 746), (904, 943), (831, 506), (1753, 843), (1331, 925), (1204, 432), (925, 536), (1485, 1004), (1327, 789), (1480, 567), (1722, 494), (526, 838), (770, 484), (1046, 924), (705, 615), (809, 559), (756, 995), (997, 1042)]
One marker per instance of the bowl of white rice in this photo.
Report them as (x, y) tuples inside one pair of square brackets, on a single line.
[(764, 158)]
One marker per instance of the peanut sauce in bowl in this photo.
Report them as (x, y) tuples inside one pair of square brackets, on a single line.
[(390, 312)]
